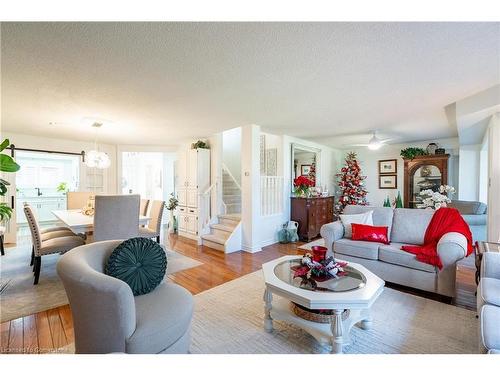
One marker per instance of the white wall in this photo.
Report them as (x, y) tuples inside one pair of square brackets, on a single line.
[(468, 176), (55, 144), (231, 151), (369, 166)]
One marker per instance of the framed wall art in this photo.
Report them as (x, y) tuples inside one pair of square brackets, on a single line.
[(388, 182), (388, 166)]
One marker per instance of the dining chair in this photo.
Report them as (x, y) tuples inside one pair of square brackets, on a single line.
[(76, 200), (116, 217), (48, 233), (154, 226), (144, 207), (45, 245)]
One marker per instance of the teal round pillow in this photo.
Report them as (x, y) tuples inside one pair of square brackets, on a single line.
[(140, 262)]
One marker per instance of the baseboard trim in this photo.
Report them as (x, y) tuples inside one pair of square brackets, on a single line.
[(268, 242), (251, 249)]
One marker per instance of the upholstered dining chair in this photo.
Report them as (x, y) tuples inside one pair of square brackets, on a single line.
[(107, 318), (76, 200), (143, 209), (47, 243), (48, 233), (116, 217), (153, 228)]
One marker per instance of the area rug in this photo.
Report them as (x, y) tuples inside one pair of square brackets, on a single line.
[(229, 319), (19, 297), (308, 246)]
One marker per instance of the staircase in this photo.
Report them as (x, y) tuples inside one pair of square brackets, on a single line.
[(231, 193), (225, 235)]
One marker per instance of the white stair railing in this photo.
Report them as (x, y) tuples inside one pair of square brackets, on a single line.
[(271, 195), (205, 205), (236, 183), (226, 169)]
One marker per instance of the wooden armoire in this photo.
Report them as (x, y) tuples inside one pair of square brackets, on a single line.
[(311, 214)]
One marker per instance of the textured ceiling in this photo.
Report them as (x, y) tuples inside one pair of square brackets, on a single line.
[(160, 83)]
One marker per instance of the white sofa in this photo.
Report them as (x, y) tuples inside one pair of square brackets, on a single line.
[(406, 227)]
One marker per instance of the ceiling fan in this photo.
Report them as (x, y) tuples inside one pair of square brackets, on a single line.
[(374, 143)]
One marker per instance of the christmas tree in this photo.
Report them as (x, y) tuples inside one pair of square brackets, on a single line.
[(312, 173), (350, 183), (398, 202), (387, 202)]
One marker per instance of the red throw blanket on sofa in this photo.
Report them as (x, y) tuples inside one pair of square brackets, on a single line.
[(444, 220)]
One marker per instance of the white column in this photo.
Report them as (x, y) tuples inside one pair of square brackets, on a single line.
[(494, 177), (250, 187)]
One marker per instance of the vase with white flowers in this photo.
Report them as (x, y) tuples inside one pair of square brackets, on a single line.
[(436, 199)]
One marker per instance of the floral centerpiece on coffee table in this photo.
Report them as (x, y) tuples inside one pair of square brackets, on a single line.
[(436, 199), (314, 269), (302, 184)]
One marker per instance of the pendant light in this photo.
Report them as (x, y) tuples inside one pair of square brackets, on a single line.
[(95, 158)]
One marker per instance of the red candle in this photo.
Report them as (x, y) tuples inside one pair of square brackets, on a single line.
[(319, 253)]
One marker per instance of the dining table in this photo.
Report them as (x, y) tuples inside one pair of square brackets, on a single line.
[(78, 222)]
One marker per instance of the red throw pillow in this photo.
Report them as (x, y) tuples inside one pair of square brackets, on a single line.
[(361, 232)]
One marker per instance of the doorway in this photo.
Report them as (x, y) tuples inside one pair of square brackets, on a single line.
[(149, 174)]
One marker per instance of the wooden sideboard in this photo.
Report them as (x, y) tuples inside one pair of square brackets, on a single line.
[(311, 214)]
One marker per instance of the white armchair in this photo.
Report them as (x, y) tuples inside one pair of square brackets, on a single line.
[(108, 318)]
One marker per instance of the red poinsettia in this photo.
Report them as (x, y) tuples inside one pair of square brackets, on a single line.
[(303, 181)]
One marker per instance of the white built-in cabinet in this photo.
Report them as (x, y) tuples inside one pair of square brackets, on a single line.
[(193, 179)]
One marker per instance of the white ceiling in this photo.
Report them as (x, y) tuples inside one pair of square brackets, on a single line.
[(161, 83)]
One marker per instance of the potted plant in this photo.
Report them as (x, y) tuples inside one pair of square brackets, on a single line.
[(411, 152), (62, 188), (8, 165), (172, 204), (302, 184), (200, 144)]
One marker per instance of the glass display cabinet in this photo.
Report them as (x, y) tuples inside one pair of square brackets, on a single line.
[(422, 173)]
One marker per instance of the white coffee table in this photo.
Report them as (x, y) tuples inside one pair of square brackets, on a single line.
[(355, 292)]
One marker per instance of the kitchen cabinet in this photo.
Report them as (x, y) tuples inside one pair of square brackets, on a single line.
[(42, 207)]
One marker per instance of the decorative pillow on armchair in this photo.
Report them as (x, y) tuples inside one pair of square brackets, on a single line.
[(140, 262), (347, 220), (370, 233)]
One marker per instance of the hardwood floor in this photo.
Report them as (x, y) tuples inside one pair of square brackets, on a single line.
[(52, 330)]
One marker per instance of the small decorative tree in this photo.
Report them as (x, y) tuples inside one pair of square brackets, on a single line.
[(387, 202), (398, 202), (350, 184), (312, 172), (172, 204)]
